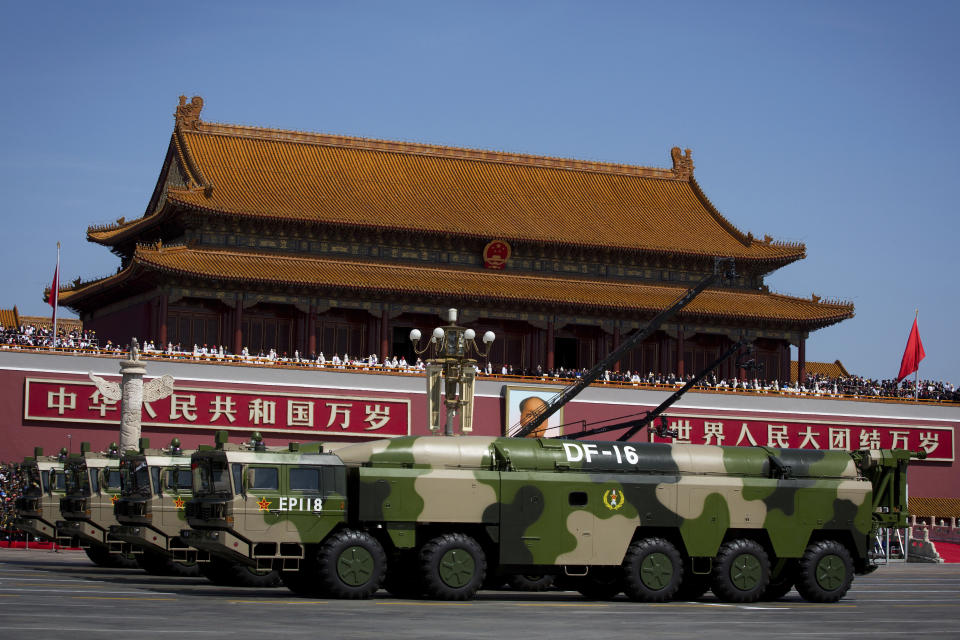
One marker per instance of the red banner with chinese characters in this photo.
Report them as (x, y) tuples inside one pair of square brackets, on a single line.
[(936, 441), (198, 408)]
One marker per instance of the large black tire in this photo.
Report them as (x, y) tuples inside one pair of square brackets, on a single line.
[(159, 564), (350, 565), (228, 574), (652, 570), (741, 571), (101, 556), (825, 572), (452, 567), (781, 584), (524, 582), (403, 576), (601, 585)]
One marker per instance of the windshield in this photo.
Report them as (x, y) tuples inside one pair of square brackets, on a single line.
[(134, 477), (55, 482), (75, 476), (179, 479), (31, 480), (210, 476)]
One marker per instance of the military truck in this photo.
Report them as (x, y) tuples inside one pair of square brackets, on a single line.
[(43, 481), (432, 516), (156, 487), (92, 486)]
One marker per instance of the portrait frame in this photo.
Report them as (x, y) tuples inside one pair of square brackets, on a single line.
[(514, 395)]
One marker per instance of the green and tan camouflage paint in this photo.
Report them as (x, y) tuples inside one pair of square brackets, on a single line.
[(93, 525), (277, 515), (165, 513), (43, 521), (552, 503)]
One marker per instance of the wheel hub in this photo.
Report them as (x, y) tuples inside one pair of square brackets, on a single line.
[(831, 572), (456, 568), (355, 566), (746, 572), (656, 570)]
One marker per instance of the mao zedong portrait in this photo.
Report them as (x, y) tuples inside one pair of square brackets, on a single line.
[(530, 408)]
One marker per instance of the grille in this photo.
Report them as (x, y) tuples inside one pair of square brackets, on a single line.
[(131, 508), (208, 510), (73, 505), (27, 505)]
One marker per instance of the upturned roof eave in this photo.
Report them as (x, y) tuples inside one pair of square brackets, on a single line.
[(842, 312), (775, 261)]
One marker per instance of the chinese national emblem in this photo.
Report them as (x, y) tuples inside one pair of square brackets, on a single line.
[(264, 504), (178, 502), (496, 254), (613, 499)]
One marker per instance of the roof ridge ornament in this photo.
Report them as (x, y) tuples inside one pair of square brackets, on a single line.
[(188, 115), (682, 163)]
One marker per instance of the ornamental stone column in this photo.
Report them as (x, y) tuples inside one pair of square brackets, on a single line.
[(132, 393)]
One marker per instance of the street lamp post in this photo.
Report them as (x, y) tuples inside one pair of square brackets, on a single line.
[(451, 346)]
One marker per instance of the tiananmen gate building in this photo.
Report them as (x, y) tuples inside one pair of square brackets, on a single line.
[(262, 238)]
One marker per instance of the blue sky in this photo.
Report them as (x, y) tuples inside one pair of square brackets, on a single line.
[(830, 123)]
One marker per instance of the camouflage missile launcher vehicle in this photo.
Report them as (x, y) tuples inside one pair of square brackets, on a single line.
[(434, 515), (44, 483), (92, 486), (155, 488)]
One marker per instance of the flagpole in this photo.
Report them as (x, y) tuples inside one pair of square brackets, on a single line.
[(56, 298), (916, 378)]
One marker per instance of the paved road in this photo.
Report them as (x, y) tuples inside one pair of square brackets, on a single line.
[(62, 595)]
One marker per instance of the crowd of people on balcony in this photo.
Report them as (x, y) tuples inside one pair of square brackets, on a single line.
[(31, 336), (28, 336)]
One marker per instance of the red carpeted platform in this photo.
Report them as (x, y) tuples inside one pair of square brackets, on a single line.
[(949, 551), (33, 545)]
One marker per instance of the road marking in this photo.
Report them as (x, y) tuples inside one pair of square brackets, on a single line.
[(271, 602), (428, 604), (108, 630), (557, 604), (59, 591), (116, 598)]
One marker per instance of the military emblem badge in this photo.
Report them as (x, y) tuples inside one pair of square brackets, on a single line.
[(613, 499)]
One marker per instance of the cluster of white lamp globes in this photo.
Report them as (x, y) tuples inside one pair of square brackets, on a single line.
[(452, 346)]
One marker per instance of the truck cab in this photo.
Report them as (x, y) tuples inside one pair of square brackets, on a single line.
[(259, 507), (92, 487), (151, 510), (38, 509)]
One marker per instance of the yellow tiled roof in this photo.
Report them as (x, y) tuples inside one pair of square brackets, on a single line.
[(339, 180), (475, 284), (833, 369), (937, 507), (9, 318)]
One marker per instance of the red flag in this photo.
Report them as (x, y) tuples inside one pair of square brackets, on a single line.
[(52, 298), (913, 354)]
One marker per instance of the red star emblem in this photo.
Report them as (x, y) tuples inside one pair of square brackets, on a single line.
[(178, 502), (113, 499), (264, 504)]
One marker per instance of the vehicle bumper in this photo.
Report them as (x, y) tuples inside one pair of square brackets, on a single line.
[(84, 531), (36, 527), (220, 543)]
